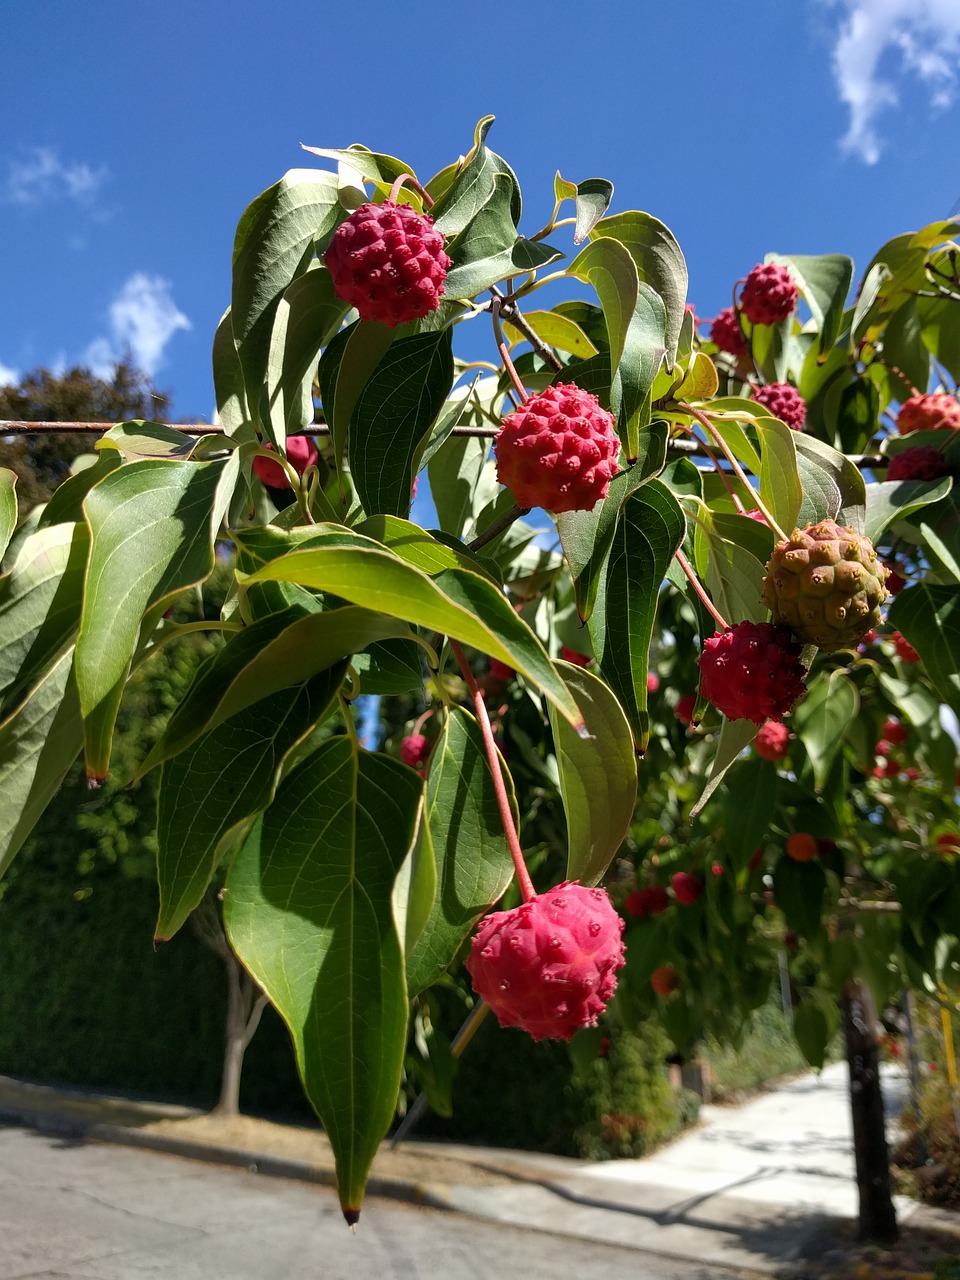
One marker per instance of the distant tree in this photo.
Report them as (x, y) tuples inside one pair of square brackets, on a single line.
[(43, 461)]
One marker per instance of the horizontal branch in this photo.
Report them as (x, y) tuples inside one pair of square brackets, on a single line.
[(688, 448)]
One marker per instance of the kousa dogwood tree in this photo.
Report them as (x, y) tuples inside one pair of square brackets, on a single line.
[(694, 514)]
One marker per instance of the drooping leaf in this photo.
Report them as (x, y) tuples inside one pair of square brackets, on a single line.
[(274, 653), (463, 481), (274, 243), (598, 776), (815, 1020), (799, 888), (393, 416), (231, 394), (833, 488), (39, 742), (346, 364), (659, 262), (780, 486), (472, 186), (749, 804), (309, 910), (474, 866), (372, 165), (456, 603), (556, 331), (152, 527), (892, 500), (211, 790), (648, 533), (824, 280), (821, 720), (40, 600), (8, 507), (929, 617), (586, 536), (306, 318), (735, 736), (66, 504)]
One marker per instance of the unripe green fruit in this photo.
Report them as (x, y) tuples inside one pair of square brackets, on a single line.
[(826, 584)]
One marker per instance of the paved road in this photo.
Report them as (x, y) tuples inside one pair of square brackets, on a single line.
[(70, 1211)]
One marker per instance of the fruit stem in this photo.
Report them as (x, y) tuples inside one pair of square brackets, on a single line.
[(504, 353), (411, 180), (495, 529), (496, 772), (738, 471), (705, 600)]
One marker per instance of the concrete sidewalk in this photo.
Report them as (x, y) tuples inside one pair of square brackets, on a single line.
[(758, 1189)]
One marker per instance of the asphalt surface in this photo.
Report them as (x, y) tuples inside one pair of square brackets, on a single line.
[(73, 1210)]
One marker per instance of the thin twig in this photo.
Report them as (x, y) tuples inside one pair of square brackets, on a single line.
[(512, 314), (505, 352), (494, 530), (705, 600)]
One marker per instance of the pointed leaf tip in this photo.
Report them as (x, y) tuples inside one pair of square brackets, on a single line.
[(351, 1217)]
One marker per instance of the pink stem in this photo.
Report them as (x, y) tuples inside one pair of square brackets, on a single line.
[(408, 177), (504, 353), (694, 581), (493, 759)]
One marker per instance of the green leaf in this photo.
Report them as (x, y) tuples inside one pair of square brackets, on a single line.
[(733, 574), (463, 480), (139, 439), (556, 331), (152, 527), (749, 805), (650, 529), (308, 315), (40, 606), (275, 241), (814, 1028), (38, 744), (824, 281), (309, 910), (857, 415), (487, 249), (393, 416), (278, 651), (232, 408), (346, 364), (929, 617), (659, 262), (873, 281), (593, 197), (371, 165), (904, 349), (598, 776), (735, 736), (940, 331), (892, 500), (390, 667), (457, 603), (474, 866), (473, 186), (586, 536), (417, 547), (213, 789), (8, 508), (66, 504), (799, 888), (636, 321), (833, 488), (822, 719), (780, 486)]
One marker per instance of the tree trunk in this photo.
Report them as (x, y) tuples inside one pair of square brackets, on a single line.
[(245, 1002), (878, 1219), (245, 1006)]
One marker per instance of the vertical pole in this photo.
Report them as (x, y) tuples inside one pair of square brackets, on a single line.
[(878, 1219)]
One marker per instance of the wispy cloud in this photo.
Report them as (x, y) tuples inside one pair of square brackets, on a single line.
[(143, 319), (8, 377), (40, 176), (918, 37)]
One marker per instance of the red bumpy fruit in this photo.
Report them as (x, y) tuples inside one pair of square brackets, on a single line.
[(558, 451), (769, 294), (387, 260), (773, 741), (752, 671), (895, 731), (934, 412), (784, 402), (725, 333), (687, 889), (922, 462), (301, 453), (549, 965), (414, 749)]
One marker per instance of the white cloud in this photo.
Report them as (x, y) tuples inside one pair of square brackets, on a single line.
[(921, 37), (143, 319), (8, 377), (42, 176)]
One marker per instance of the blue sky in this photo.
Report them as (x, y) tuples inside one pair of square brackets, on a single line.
[(135, 135)]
